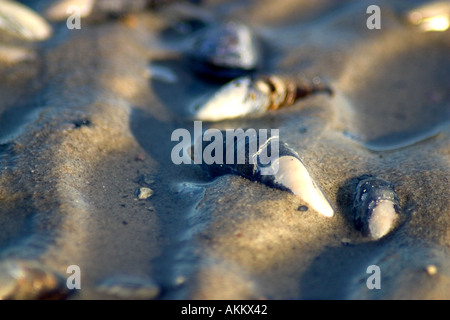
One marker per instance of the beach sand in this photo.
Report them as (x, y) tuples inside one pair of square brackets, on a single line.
[(85, 123)]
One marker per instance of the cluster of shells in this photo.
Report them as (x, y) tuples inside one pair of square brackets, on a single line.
[(230, 51)]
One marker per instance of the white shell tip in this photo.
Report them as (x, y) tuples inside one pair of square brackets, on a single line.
[(382, 219)]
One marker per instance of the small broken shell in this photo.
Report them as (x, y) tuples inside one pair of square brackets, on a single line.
[(253, 95), (375, 207), (226, 50), (20, 21), (283, 169)]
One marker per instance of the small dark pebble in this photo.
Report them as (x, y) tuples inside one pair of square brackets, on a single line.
[(302, 208), (124, 223)]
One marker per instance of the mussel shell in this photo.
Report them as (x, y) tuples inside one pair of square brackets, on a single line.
[(371, 192), (226, 50)]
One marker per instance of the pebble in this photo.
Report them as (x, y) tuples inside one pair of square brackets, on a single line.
[(144, 193), (226, 50)]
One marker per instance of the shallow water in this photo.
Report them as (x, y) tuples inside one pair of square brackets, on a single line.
[(388, 113)]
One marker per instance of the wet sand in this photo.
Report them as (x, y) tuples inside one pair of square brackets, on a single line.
[(84, 124)]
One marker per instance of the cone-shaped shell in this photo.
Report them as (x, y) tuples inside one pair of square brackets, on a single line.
[(271, 162), (375, 207)]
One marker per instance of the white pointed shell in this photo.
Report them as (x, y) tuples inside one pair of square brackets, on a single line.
[(375, 207), (237, 98), (292, 174), (21, 21), (382, 219)]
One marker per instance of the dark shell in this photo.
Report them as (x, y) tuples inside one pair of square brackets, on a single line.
[(227, 50), (369, 193)]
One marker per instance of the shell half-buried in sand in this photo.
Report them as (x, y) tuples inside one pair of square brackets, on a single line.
[(267, 160), (375, 207), (254, 95)]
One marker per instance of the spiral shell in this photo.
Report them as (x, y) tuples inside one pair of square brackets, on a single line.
[(286, 171)]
